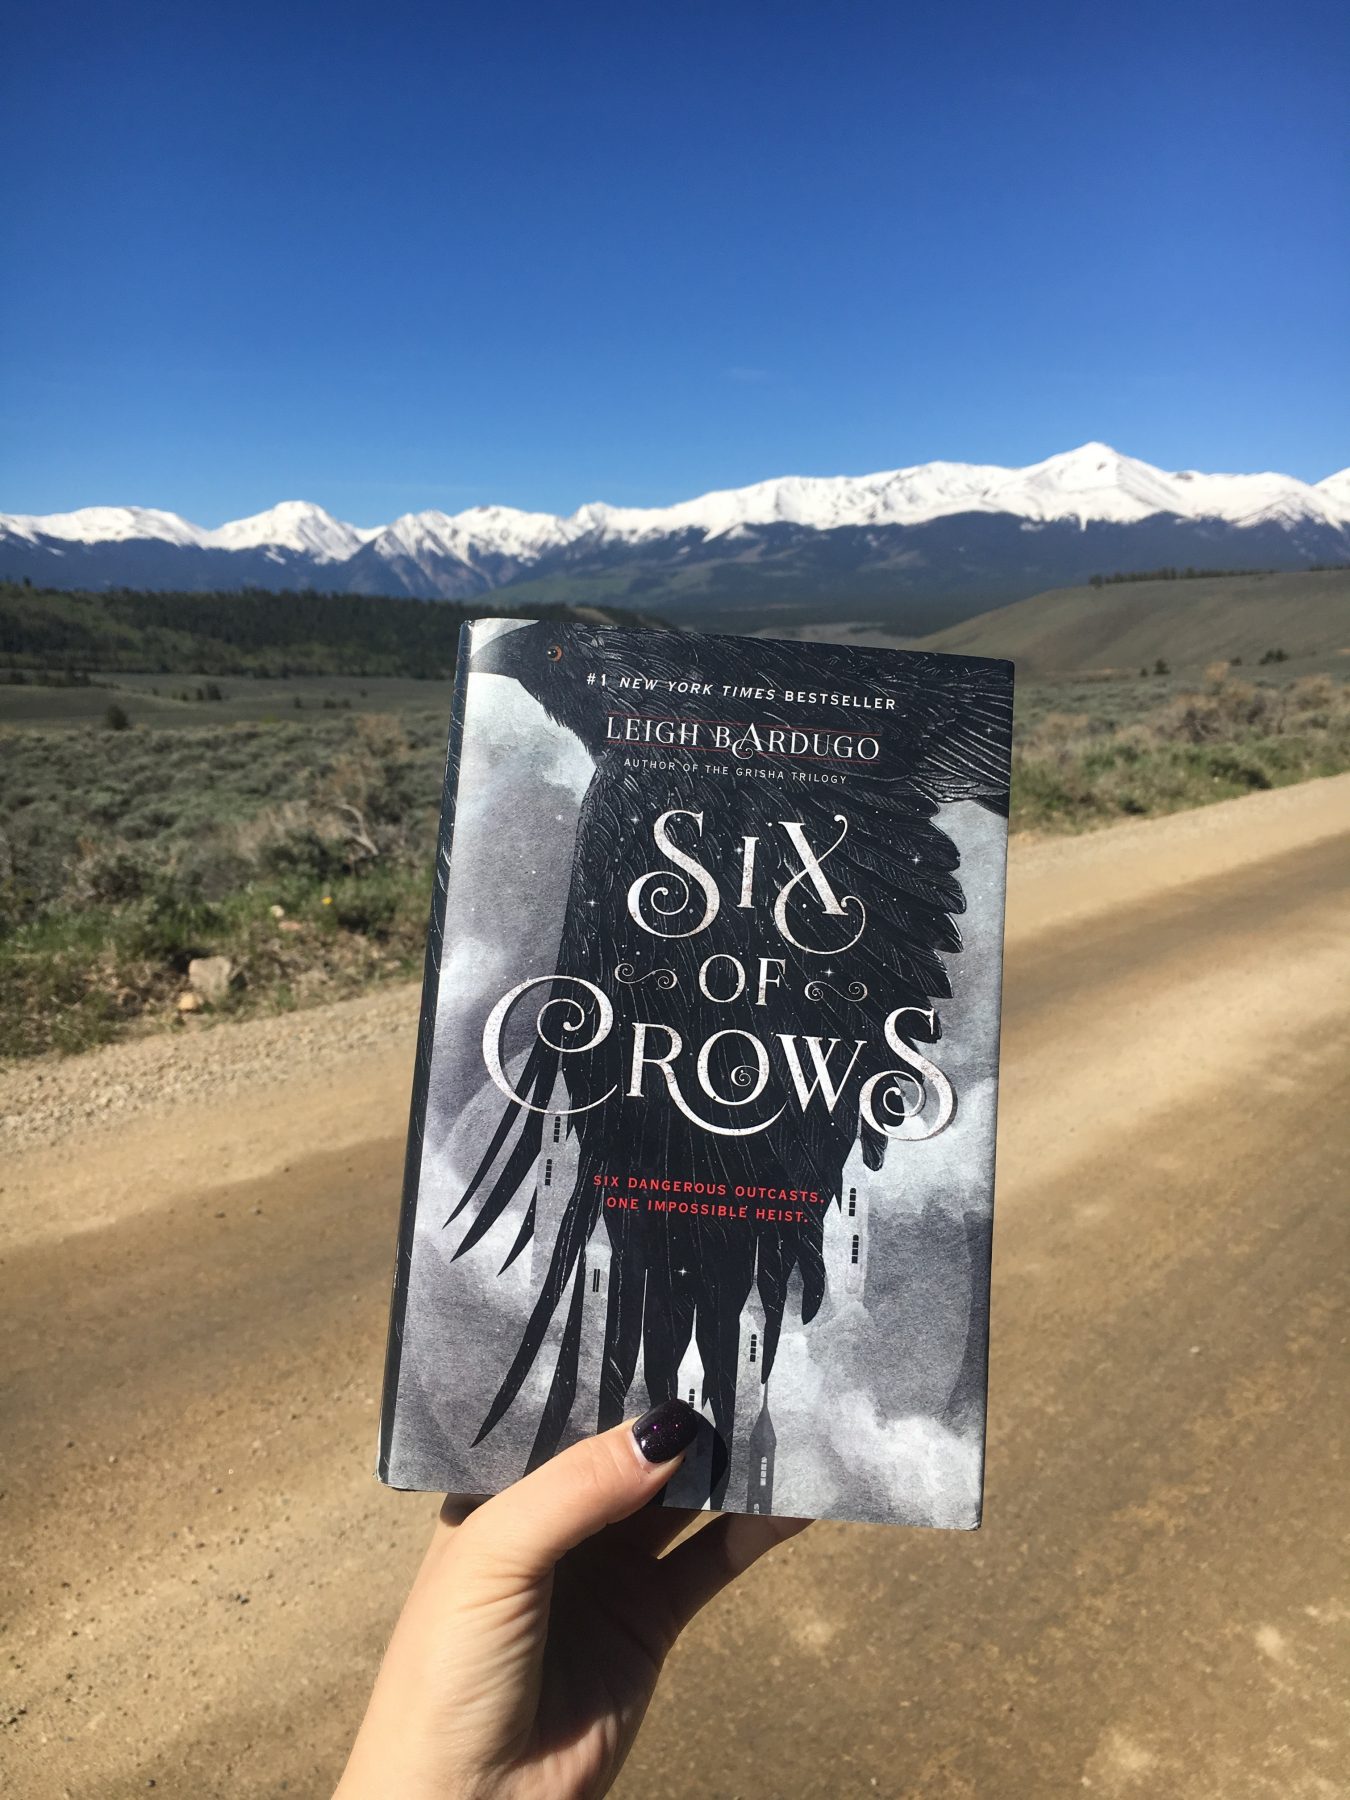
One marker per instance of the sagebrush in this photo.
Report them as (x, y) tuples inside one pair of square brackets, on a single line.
[(301, 848)]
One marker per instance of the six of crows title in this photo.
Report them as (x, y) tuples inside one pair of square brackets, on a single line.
[(673, 1276)]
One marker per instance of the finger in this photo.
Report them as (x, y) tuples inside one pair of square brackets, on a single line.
[(698, 1569), (457, 1507), (528, 1526), (654, 1526)]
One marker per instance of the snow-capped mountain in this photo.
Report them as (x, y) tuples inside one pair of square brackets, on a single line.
[(100, 525), (295, 525), (942, 527), (1335, 494), (1094, 484)]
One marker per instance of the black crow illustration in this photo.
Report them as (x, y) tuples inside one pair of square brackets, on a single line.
[(837, 970)]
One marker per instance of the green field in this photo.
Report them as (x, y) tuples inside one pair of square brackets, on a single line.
[(125, 854), (250, 633), (1127, 625), (191, 702), (288, 822)]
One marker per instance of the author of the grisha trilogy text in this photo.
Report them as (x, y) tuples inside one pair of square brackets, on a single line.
[(530, 1645)]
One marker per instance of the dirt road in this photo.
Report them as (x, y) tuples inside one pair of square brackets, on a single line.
[(198, 1569)]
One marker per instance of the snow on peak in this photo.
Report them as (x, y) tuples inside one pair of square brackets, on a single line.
[(1093, 483), (296, 525), (511, 532), (1334, 493), (481, 531), (103, 525)]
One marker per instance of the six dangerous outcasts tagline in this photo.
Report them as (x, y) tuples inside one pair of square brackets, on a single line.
[(719, 1200)]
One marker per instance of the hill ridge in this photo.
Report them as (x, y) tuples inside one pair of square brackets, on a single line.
[(943, 539)]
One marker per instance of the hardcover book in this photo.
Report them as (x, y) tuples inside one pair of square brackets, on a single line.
[(705, 1089)]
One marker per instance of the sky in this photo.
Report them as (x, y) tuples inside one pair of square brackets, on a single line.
[(395, 257)]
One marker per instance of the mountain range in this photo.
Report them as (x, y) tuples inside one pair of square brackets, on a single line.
[(914, 548)]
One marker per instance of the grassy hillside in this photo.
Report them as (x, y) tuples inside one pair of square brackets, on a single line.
[(757, 593), (1116, 628), (226, 782), (1124, 627), (300, 848), (298, 840), (249, 633), (193, 702)]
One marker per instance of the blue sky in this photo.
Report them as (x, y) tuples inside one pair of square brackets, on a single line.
[(392, 257)]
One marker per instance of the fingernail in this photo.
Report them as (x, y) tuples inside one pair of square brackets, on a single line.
[(666, 1430)]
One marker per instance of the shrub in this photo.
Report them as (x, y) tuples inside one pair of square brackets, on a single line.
[(213, 866), (1228, 738), (367, 908), (1315, 701), (173, 927), (305, 852), (107, 874), (115, 717)]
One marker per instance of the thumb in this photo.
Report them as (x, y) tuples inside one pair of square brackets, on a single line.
[(528, 1526)]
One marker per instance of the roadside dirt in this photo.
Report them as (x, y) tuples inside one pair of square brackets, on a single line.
[(199, 1570)]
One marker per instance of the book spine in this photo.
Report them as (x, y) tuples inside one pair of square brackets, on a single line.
[(431, 974)]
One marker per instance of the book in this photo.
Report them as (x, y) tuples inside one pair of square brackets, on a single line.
[(706, 1078)]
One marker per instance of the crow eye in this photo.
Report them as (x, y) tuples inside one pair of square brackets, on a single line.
[(554, 653)]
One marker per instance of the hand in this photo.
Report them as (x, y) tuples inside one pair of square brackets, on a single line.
[(530, 1645)]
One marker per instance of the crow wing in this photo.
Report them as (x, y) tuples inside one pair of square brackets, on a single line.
[(674, 1277)]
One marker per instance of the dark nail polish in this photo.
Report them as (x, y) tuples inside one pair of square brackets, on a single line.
[(666, 1430)]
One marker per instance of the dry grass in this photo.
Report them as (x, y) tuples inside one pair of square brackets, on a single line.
[(1227, 737), (125, 854), (304, 855)]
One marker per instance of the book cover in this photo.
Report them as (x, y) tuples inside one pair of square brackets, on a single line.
[(706, 1079)]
